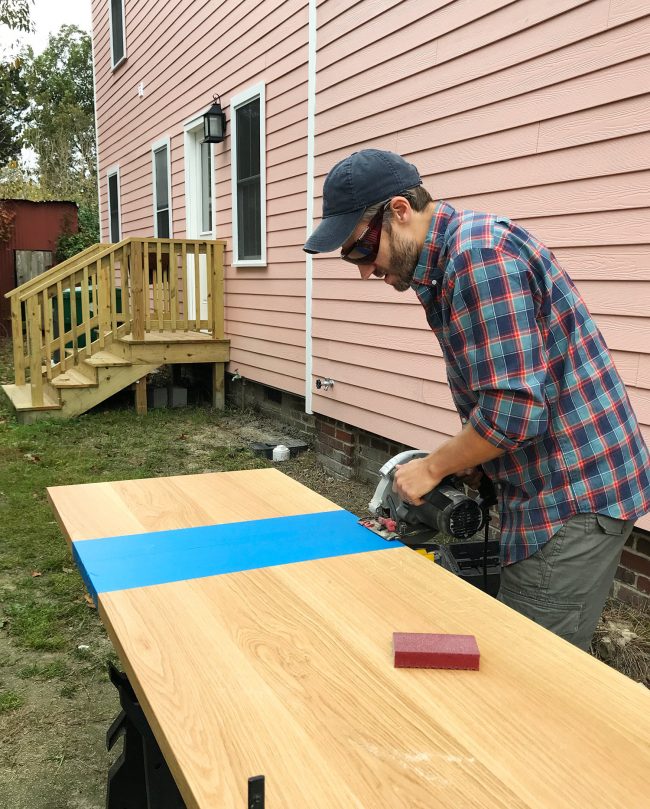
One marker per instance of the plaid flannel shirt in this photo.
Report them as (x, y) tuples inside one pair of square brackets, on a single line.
[(528, 368)]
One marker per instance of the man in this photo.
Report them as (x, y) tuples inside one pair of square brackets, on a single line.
[(545, 412)]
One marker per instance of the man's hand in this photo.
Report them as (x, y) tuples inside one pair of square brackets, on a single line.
[(463, 452), (413, 479)]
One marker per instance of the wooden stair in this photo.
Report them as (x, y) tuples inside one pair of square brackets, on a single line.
[(110, 316), (20, 397), (118, 366), (74, 379)]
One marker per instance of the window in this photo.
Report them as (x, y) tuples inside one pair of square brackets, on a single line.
[(118, 34), (114, 225), (206, 188), (162, 212), (249, 177)]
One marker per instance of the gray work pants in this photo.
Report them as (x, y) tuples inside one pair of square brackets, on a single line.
[(565, 584)]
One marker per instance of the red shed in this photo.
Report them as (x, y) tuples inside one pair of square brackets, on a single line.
[(28, 235)]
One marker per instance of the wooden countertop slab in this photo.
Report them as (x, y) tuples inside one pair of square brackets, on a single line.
[(92, 510), (287, 671)]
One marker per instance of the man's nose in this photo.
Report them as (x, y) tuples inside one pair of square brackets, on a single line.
[(366, 270)]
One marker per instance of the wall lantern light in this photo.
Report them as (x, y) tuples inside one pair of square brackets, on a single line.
[(214, 123)]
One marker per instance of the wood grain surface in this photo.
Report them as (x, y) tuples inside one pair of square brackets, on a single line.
[(92, 510), (288, 672)]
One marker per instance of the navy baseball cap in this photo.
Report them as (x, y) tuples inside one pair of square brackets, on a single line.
[(360, 180)]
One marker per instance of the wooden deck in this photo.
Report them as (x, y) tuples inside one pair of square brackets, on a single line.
[(108, 317)]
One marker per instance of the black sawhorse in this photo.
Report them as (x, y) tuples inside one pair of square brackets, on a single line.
[(140, 777)]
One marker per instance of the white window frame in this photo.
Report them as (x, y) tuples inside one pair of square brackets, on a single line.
[(159, 144), (115, 65), (257, 91), (209, 186), (190, 128), (112, 172), (193, 133)]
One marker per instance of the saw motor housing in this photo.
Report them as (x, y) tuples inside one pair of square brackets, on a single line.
[(450, 510), (446, 509)]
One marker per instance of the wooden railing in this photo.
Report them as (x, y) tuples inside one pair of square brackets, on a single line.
[(136, 286)]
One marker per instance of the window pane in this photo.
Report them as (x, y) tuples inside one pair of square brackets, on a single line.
[(249, 205), (113, 209), (248, 139), (255, 136), (206, 188), (249, 220), (161, 187), (117, 30), (160, 159), (162, 218)]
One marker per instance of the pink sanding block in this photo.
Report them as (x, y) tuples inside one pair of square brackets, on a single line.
[(428, 651)]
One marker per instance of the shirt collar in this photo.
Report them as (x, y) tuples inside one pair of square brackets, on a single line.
[(428, 270)]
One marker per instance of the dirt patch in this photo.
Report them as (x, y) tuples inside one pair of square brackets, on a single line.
[(52, 753), (242, 431)]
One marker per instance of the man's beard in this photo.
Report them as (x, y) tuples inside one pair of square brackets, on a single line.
[(403, 261)]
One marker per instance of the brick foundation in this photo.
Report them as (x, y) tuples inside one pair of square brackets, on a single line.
[(349, 452), (632, 581)]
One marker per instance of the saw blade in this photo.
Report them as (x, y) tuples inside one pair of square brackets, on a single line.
[(379, 527), (386, 528)]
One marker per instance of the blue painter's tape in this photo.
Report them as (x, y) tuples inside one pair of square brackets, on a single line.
[(139, 560)]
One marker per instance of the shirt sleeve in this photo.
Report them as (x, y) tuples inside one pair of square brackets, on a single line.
[(497, 346)]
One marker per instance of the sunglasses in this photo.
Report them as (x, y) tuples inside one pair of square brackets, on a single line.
[(366, 247)]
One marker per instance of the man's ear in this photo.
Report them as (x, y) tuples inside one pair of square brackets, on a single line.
[(401, 210)]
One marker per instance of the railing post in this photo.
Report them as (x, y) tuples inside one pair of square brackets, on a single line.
[(35, 372), (209, 281), (137, 290), (104, 303), (17, 338), (46, 314), (159, 288), (61, 323), (85, 306), (125, 258), (217, 291), (173, 285), (185, 281), (197, 286)]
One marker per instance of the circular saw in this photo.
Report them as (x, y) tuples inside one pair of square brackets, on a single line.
[(446, 509)]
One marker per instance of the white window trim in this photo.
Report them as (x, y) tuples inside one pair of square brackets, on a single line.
[(154, 146), (115, 65), (256, 91), (114, 170), (189, 129)]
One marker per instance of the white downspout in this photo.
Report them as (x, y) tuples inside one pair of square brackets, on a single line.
[(311, 138)]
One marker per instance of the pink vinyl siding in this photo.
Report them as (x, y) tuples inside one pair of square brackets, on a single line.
[(183, 54), (539, 111)]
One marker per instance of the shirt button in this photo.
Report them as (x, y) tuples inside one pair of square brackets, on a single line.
[(464, 420)]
